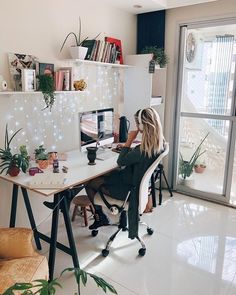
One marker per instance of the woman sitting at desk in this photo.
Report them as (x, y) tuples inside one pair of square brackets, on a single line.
[(136, 161)]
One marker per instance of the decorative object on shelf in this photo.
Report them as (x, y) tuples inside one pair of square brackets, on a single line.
[(13, 163), (80, 85), (17, 62), (91, 154), (41, 157), (190, 47), (159, 55), (44, 69), (186, 167), (77, 51), (3, 84), (46, 85), (28, 79), (49, 287)]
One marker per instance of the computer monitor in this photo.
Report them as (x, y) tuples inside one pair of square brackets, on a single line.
[(96, 126)]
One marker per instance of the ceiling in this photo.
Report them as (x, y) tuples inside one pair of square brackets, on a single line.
[(151, 5)]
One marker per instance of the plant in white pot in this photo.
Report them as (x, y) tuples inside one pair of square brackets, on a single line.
[(186, 167), (77, 51)]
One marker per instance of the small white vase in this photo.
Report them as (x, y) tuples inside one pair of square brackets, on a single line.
[(78, 52)]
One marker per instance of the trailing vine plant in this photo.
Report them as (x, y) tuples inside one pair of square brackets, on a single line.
[(46, 85)]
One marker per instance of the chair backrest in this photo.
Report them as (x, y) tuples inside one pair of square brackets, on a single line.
[(144, 185)]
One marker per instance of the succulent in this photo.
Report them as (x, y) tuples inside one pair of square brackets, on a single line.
[(40, 153)]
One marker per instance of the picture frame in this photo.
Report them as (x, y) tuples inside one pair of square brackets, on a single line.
[(28, 80)]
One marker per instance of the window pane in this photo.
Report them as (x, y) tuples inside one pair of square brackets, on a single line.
[(206, 172)]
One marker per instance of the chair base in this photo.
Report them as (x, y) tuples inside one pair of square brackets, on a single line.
[(122, 226)]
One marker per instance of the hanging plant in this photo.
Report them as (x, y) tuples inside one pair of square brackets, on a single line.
[(46, 85)]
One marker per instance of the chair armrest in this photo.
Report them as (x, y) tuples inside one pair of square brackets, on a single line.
[(16, 243)]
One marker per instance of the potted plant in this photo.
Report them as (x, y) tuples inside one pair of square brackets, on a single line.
[(13, 163), (200, 167), (159, 55), (77, 51), (186, 167), (41, 157), (49, 288), (46, 85)]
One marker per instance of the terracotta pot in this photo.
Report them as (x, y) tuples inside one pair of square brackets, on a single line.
[(43, 164), (13, 171), (199, 168)]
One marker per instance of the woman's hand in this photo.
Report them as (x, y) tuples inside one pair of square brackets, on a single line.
[(131, 137)]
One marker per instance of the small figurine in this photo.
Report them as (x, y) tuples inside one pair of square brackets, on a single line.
[(80, 85)]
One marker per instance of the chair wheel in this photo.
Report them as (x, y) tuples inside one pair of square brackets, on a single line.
[(150, 231), (105, 252), (94, 232), (142, 252)]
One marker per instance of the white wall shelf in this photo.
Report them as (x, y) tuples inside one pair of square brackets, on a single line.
[(40, 92), (96, 63)]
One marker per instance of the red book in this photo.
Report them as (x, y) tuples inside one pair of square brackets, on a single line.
[(117, 42)]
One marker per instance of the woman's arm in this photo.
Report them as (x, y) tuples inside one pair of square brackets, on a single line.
[(127, 156)]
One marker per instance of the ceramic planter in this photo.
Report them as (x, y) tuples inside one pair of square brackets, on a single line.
[(199, 168), (43, 164), (78, 52), (13, 171)]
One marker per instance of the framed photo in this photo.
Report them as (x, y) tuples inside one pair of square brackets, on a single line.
[(28, 80), (18, 62)]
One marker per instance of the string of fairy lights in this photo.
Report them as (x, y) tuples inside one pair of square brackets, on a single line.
[(57, 129)]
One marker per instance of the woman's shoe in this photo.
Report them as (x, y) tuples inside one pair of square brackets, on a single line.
[(100, 220)]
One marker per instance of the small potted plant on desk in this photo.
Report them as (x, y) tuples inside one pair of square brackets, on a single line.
[(41, 157), (13, 163)]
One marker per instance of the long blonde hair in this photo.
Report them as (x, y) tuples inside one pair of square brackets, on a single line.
[(149, 123)]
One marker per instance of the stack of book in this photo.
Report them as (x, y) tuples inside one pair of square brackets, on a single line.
[(108, 51), (63, 79)]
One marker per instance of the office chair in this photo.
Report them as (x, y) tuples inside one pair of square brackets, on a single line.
[(120, 207)]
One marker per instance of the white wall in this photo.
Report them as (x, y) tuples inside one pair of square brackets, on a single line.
[(39, 28), (214, 10)]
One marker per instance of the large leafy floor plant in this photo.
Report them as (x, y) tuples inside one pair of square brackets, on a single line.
[(50, 288)]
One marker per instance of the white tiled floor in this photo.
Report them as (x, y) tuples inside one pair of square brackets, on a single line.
[(192, 251)]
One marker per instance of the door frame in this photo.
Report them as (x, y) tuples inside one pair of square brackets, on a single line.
[(230, 149)]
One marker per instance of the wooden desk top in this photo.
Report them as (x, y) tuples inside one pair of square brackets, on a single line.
[(78, 172)]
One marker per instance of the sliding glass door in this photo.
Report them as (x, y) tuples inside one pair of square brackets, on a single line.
[(206, 122)]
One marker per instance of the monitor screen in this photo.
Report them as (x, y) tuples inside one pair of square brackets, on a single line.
[(96, 126)]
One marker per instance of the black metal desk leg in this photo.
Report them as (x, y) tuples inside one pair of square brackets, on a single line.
[(69, 231), (31, 217), (14, 205), (53, 243), (153, 191)]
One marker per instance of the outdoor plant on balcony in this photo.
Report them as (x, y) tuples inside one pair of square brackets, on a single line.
[(186, 167)]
